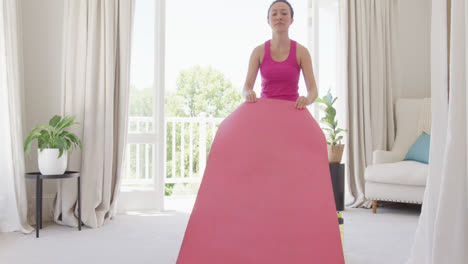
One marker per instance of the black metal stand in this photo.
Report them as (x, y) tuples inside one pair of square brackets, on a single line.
[(39, 177), (337, 177)]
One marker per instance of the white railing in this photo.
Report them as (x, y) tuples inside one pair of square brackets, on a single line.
[(185, 156)]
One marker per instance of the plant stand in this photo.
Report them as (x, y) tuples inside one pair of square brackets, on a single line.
[(337, 176), (39, 177)]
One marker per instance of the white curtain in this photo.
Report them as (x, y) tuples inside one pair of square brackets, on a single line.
[(97, 37), (13, 203), (369, 32), (442, 233)]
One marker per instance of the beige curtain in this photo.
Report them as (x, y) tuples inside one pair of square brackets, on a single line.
[(369, 30), (13, 202), (96, 62)]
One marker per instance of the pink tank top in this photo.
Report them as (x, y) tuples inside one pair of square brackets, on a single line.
[(280, 79)]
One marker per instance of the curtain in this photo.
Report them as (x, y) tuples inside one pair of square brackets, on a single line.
[(13, 202), (442, 233), (369, 30), (96, 62)]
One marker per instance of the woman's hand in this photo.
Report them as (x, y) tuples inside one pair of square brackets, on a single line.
[(303, 101), (250, 96)]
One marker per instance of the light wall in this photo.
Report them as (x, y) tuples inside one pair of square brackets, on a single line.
[(42, 58), (414, 42)]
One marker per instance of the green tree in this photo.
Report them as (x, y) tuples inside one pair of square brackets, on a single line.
[(141, 102), (199, 90), (202, 90)]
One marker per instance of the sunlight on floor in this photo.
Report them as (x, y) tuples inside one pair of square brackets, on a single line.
[(150, 213), (179, 203)]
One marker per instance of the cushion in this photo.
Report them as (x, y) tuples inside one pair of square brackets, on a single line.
[(419, 151), (402, 172)]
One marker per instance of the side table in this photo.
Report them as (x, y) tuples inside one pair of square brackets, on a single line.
[(39, 177), (337, 171)]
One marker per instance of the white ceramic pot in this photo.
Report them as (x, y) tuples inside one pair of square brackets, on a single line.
[(49, 163)]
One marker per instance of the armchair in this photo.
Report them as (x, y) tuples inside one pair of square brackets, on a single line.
[(390, 178)]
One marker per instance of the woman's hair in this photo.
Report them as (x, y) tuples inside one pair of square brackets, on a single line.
[(283, 1)]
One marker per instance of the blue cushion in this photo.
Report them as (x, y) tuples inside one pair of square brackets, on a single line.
[(419, 151)]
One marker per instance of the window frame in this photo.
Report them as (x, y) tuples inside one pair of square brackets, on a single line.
[(152, 197)]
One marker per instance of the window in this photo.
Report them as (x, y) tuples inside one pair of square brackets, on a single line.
[(173, 38), (142, 186), (323, 35)]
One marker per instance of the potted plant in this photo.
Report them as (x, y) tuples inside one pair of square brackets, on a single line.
[(332, 132), (54, 143)]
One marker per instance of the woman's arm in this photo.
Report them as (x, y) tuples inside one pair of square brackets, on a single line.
[(308, 73), (254, 65)]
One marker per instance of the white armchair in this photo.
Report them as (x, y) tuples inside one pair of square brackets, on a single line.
[(390, 178)]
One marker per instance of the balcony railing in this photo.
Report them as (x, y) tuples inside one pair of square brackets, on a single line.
[(188, 142)]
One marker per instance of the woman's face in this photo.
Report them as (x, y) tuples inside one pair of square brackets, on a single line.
[(279, 18)]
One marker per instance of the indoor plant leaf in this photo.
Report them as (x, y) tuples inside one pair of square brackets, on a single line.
[(328, 121), (54, 120), (61, 145), (53, 135), (64, 123), (29, 140)]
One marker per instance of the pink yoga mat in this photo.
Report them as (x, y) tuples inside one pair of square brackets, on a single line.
[(266, 195)]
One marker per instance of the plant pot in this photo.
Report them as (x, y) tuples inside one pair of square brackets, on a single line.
[(335, 153), (49, 163)]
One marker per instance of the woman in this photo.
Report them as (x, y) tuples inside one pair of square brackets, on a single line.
[(280, 61), (266, 194)]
